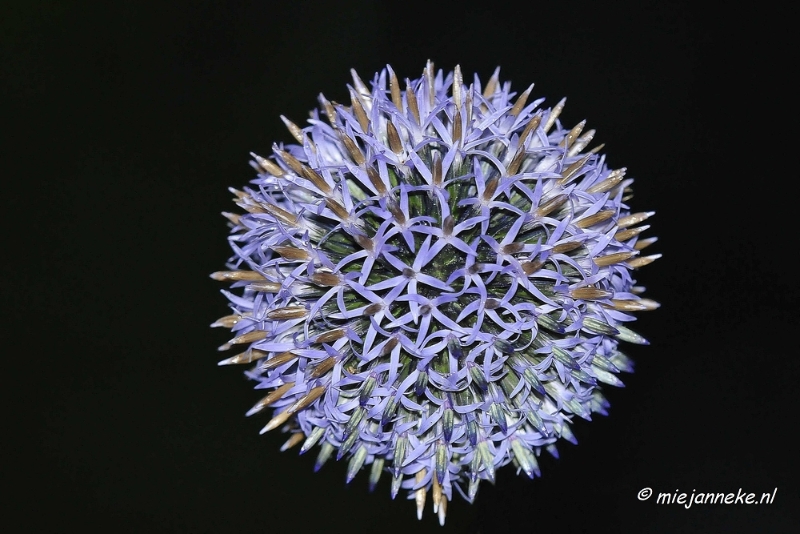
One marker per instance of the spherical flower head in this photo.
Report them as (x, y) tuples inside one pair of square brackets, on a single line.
[(433, 281)]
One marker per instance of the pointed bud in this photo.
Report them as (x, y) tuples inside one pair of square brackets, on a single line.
[(527, 461), (312, 439), (487, 460), (323, 456), (375, 473), (440, 453), (596, 326), (355, 420), (355, 463), (626, 334), (477, 376), (270, 399), (367, 388), (499, 416), (420, 494), (397, 481), (399, 452), (447, 423), (292, 441), (389, 410)]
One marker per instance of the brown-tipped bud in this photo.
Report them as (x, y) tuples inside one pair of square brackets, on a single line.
[(570, 172), (358, 111), (307, 399), (271, 398), (634, 218), (296, 438), (330, 335), (249, 337), (290, 161), (442, 511), (372, 309), (491, 187), (287, 313), (364, 242), (491, 85), (295, 130), (337, 209), (569, 246), (448, 225), (397, 213), (614, 178), (421, 494), (227, 322), (572, 135), (315, 178), (361, 87), (323, 278), (644, 260), (591, 293), (292, 253), (437, 170), (649, 304), (395, 143), (554, 113), (550, 205), (394, 89), (512, 248), (626, 305), (611, 259), (276, 361), (597, 149), (236, 276), (281, 215), (457, 127), (534, 123), (530, 267), (598, 217), (521, 101), (352, 148), (389, 346), (276, 421), (644, 243), (377, 183), (458, 81), (250, 207), (267, 165), (330, 111), (322, 367), (248, 356), (235, 218), (515, 164), (581, 142), (437, 494), (264, 287), (411, 98), (624, 235)]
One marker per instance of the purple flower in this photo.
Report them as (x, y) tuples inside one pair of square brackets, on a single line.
[(434, 281)]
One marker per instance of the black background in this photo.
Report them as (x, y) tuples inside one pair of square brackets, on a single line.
[(125, 125)]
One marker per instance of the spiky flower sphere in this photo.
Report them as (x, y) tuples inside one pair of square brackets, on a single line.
[(434, 281)]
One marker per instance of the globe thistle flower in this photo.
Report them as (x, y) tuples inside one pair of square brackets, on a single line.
[(433, 281)]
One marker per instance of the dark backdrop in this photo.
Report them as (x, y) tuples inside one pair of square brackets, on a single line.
[(126, 122)]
